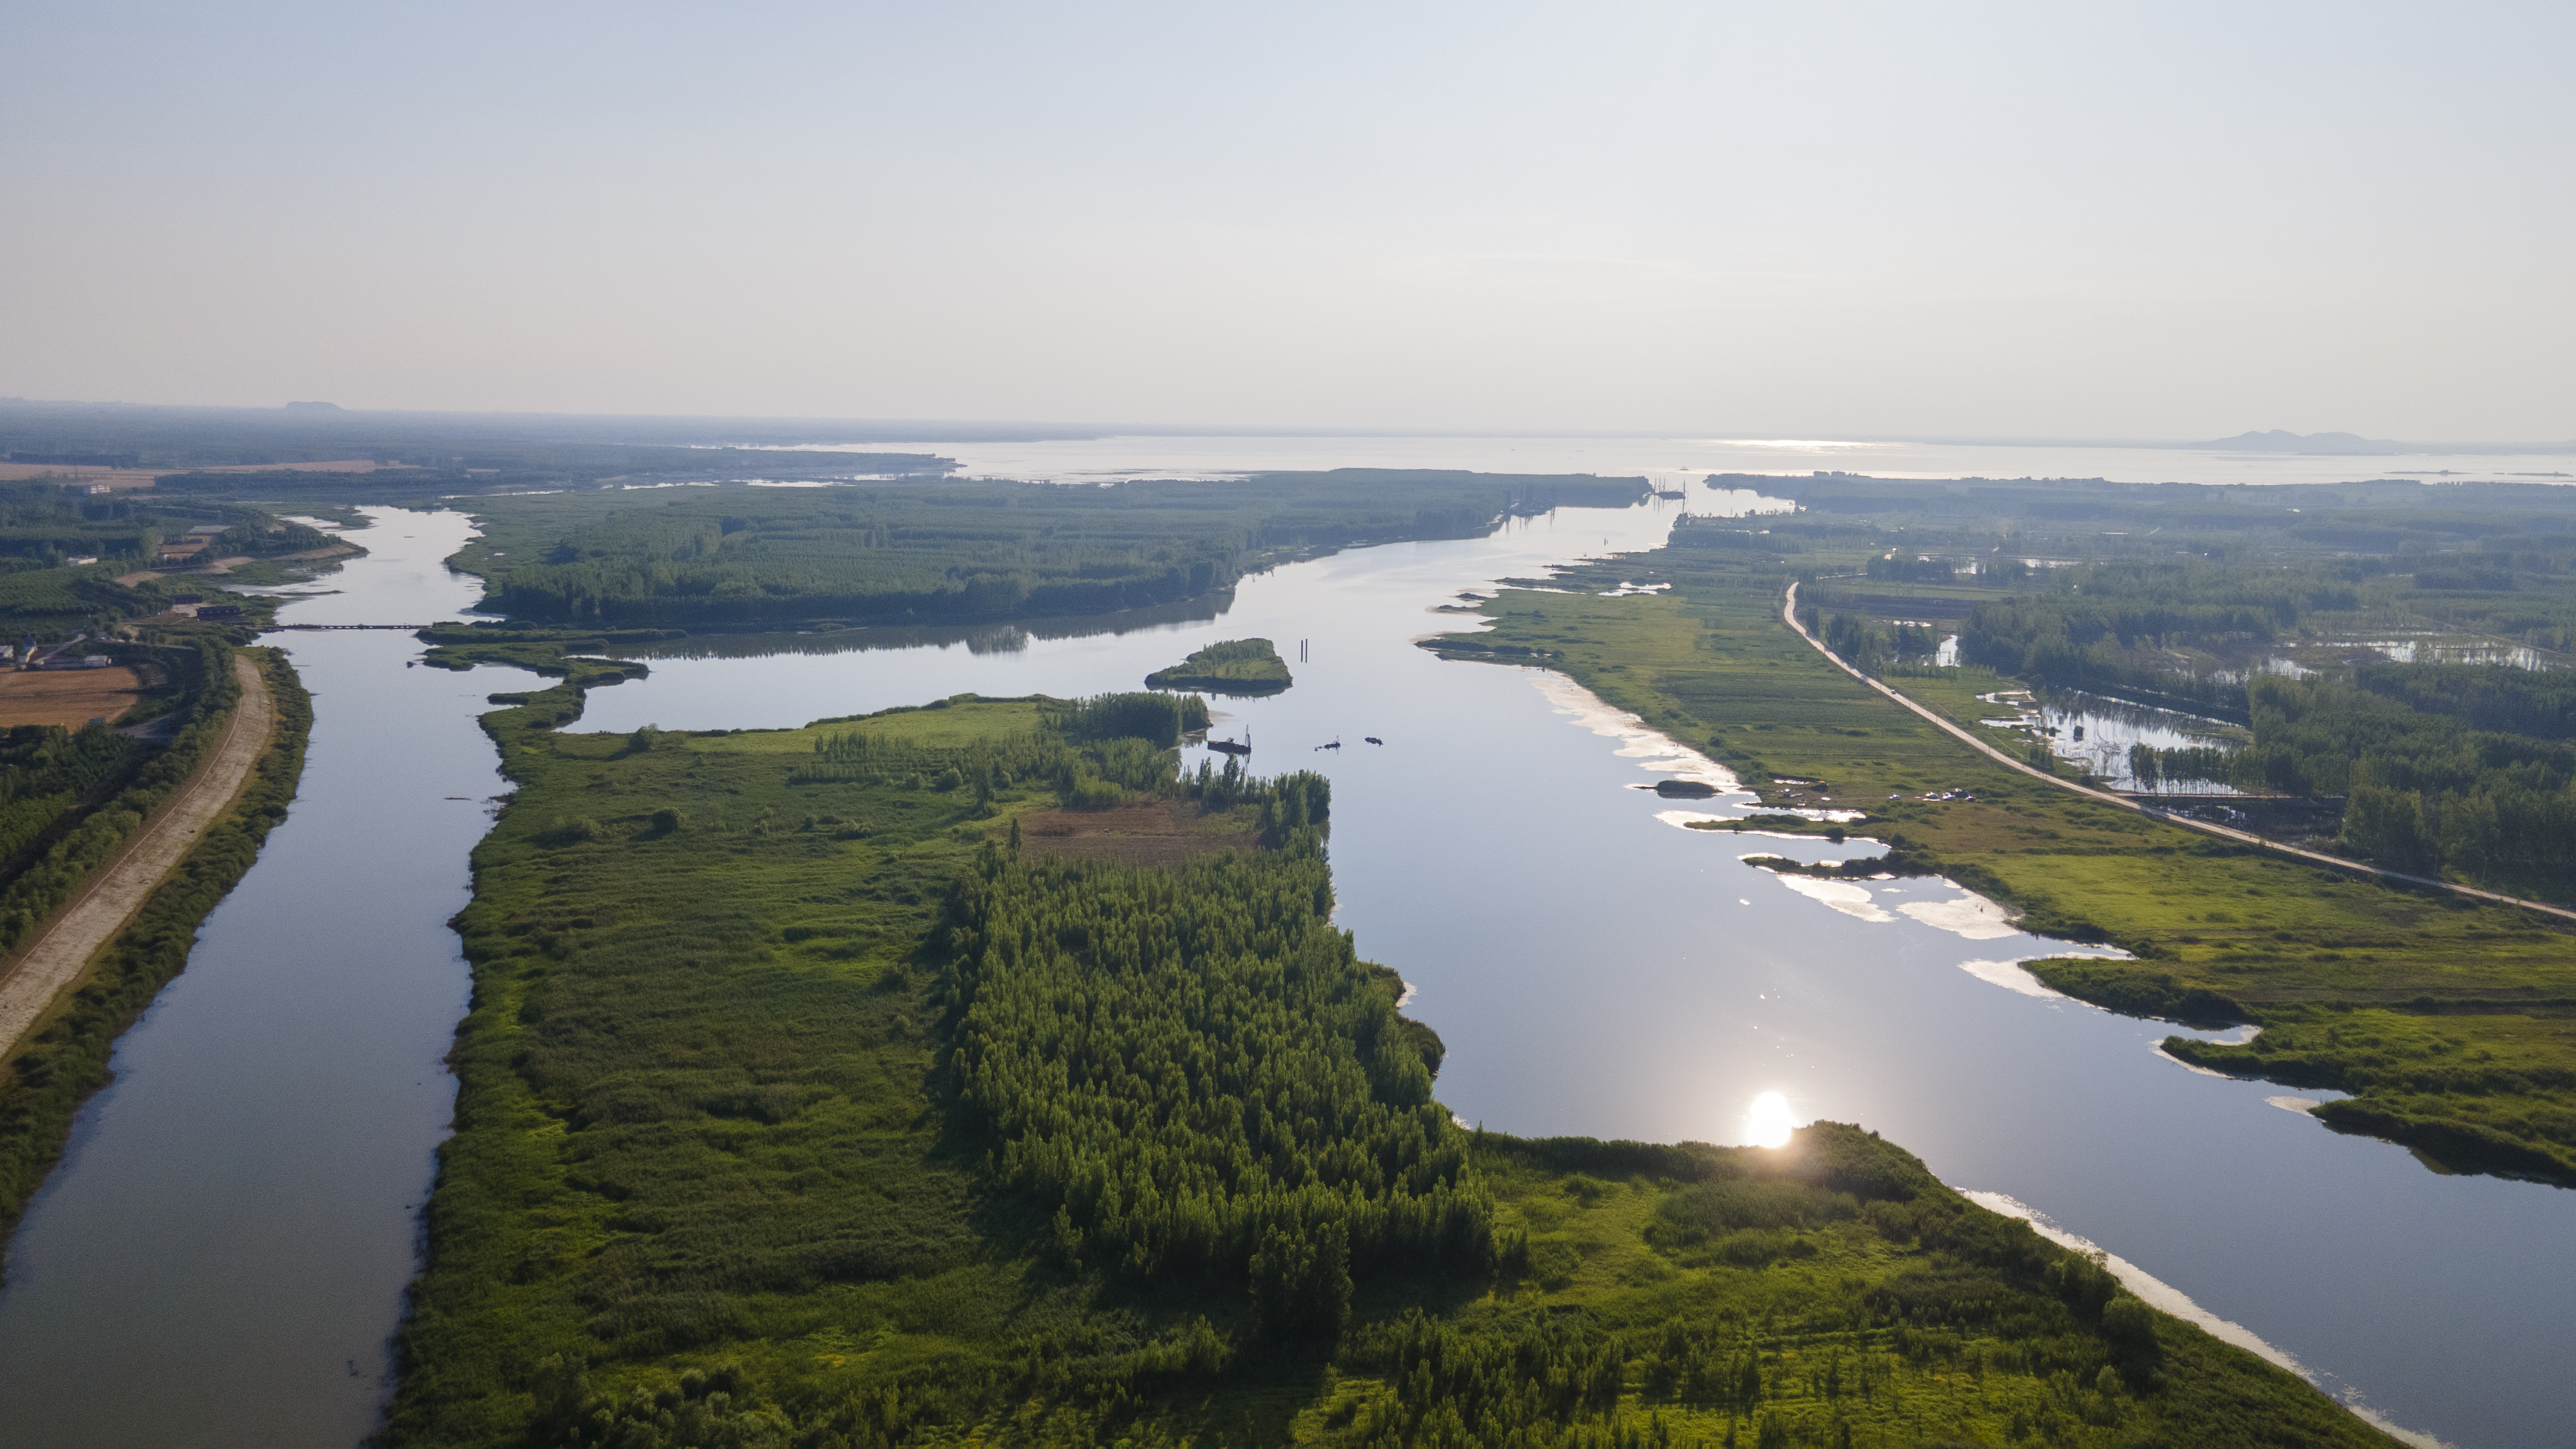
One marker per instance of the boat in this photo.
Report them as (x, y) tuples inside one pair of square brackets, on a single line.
[(1685, 789), (1229, 747), (1372, 739)]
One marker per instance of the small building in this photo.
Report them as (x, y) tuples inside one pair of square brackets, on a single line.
[(219, 611), (76, 560)]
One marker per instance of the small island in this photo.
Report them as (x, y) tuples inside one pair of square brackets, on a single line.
[(1235, 666)]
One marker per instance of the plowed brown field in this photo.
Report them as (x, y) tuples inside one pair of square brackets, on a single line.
[(69, 697)]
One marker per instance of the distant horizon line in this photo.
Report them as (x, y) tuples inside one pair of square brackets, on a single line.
[(919, 430)]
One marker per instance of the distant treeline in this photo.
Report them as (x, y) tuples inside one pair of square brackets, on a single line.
[(449, 449), (43, 523), (960, 552)]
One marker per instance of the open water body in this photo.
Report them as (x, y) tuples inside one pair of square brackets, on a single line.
[(235, 1220), (1674, 461)]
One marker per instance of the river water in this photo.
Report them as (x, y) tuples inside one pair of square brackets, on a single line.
[(1594, 967), (220, 1258)]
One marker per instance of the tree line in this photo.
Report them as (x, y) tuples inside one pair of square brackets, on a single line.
[(961, 552)]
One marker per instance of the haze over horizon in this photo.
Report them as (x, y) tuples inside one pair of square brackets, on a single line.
[(2181, 223)]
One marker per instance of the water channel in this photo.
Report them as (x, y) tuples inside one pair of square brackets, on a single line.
[(219, 1260), (242, 1195)]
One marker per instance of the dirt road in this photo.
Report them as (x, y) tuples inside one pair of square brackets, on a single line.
[(230, 562), (1789, 614), (29, 984)]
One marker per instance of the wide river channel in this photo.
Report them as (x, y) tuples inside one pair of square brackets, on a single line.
[(220, 1259)]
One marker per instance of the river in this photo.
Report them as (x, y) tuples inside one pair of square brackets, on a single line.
[(220, 1258), (1593, 967)]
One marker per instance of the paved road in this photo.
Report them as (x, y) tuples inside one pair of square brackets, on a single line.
[(29, 984), (1789, 615)]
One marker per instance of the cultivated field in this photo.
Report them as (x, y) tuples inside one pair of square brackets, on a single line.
[(71, 697)]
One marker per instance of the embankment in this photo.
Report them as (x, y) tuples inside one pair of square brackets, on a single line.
[(130, 930)]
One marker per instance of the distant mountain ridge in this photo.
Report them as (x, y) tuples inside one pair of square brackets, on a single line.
[(2353, 445)]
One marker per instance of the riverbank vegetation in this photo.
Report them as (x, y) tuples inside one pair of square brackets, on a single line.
[(1230, 666), (2449, 1019), (89, 793), (736, 558), (63, 551), (800, 1105), (63, 1058)]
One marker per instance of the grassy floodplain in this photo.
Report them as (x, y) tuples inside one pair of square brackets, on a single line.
[(2452, 1022), (798, 1106)]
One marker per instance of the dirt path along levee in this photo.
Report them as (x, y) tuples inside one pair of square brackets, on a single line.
[(29, 984)]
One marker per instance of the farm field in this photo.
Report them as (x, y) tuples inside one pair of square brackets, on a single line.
[(67, 697)]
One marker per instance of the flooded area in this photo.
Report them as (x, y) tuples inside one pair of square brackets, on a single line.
[(2096, 732), (238, 1211)]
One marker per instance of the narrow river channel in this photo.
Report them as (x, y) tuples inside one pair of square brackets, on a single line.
[(234, 1223), (219, 1260)]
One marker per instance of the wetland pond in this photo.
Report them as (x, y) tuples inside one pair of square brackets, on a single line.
[(1594, 967)]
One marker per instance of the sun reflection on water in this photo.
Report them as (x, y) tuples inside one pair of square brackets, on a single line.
[(1768, 1125)]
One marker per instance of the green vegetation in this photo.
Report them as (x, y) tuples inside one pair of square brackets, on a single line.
[(1235, 666), (1160, 719), (797, 1108), (43, 525), (63, 1059), (2222, 932), (70, 835), (915, 553), (48, 776), (2193, 597)]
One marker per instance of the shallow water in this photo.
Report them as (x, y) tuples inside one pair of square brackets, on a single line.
[(235, 1213), (220, 1258), (2109, 727)]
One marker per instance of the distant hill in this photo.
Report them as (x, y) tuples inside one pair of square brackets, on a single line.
[(2280, 441), (2353, 445)]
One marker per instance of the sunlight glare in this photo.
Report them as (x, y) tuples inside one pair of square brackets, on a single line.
[(1770, 1120)]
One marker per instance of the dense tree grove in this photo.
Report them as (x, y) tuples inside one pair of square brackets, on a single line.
[(961, 552), (1871, 647), (1155, 717), (1196, 1075), (46, 770), (2158, 627), (2540, 703)]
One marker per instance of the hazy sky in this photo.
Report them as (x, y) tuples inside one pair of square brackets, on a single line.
[(2165, 220)]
